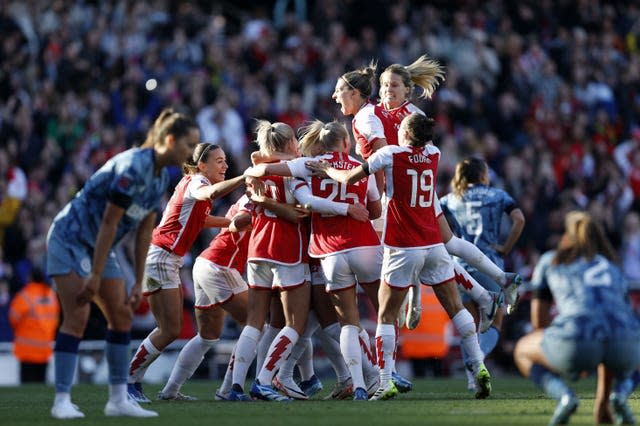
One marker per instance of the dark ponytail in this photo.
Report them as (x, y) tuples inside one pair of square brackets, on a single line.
[(169, 122), (200, 153)]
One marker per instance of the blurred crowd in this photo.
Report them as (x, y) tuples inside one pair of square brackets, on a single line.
[(547, 92)]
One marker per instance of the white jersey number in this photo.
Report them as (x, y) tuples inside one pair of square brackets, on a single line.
[(338, 193), (421, 188), (597, 275), (271, 190), (474, 218)]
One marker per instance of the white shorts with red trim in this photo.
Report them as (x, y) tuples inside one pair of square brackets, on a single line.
[(214, 285), (344, 269), (431, 265), (268, 275), (161, 270)]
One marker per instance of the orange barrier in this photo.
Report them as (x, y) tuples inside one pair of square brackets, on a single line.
[(430, 338)]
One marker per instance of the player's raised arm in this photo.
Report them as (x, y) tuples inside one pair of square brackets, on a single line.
[(343, 176)]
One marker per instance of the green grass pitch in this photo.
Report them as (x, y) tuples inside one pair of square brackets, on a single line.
[(514, 401)]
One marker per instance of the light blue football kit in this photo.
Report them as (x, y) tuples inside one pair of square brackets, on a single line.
[(595, 322), (478, 214), (127, 180), (476, 217)]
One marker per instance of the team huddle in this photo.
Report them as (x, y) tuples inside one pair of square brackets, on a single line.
[(315, 227)]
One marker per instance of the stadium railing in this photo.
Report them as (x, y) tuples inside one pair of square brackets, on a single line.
[(92, 365)]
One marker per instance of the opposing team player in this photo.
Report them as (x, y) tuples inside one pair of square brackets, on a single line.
[(595, 326), (121, 196), (476, 210)]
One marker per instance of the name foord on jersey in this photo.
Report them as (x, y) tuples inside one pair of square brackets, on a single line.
[(137, 212), (419, 158)]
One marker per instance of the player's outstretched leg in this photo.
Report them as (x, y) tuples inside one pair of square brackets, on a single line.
[(511, 294)]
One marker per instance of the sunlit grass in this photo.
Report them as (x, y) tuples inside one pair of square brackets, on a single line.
[(515, 401)]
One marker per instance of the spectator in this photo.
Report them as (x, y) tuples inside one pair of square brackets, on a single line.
[(6, 333), (293, 115), (533, 75), (630, 253), (13, 191), (627, 156), (221, 124)]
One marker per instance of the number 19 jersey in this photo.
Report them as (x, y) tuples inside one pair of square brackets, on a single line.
[(410, 178)]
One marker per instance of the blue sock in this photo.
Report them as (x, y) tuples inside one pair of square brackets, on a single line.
[(489, 340), (118, 354), (548, 381), (66, 360), (625, 387), (635, 378)]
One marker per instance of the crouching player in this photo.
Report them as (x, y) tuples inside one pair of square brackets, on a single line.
[(595, 326)]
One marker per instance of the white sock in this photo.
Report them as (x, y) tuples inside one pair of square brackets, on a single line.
[(463, 322), (189, 359), (245, 351), (297, 352), (227, 381), (331, 347), (396, 334), (369, 363), (365, 342), (350, 347), (144, 356), (268, 334), (278, 352), (474, 257), (333, 331), (117, 393), (385, 346), (302, 353), (61, 398), (305, 361), (470, 286)]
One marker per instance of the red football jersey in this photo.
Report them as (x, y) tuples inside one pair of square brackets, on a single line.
[(333, 233), (229, 249), (410, 176), (183, 218), (367, 128), (274, 239), (391, 119)]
